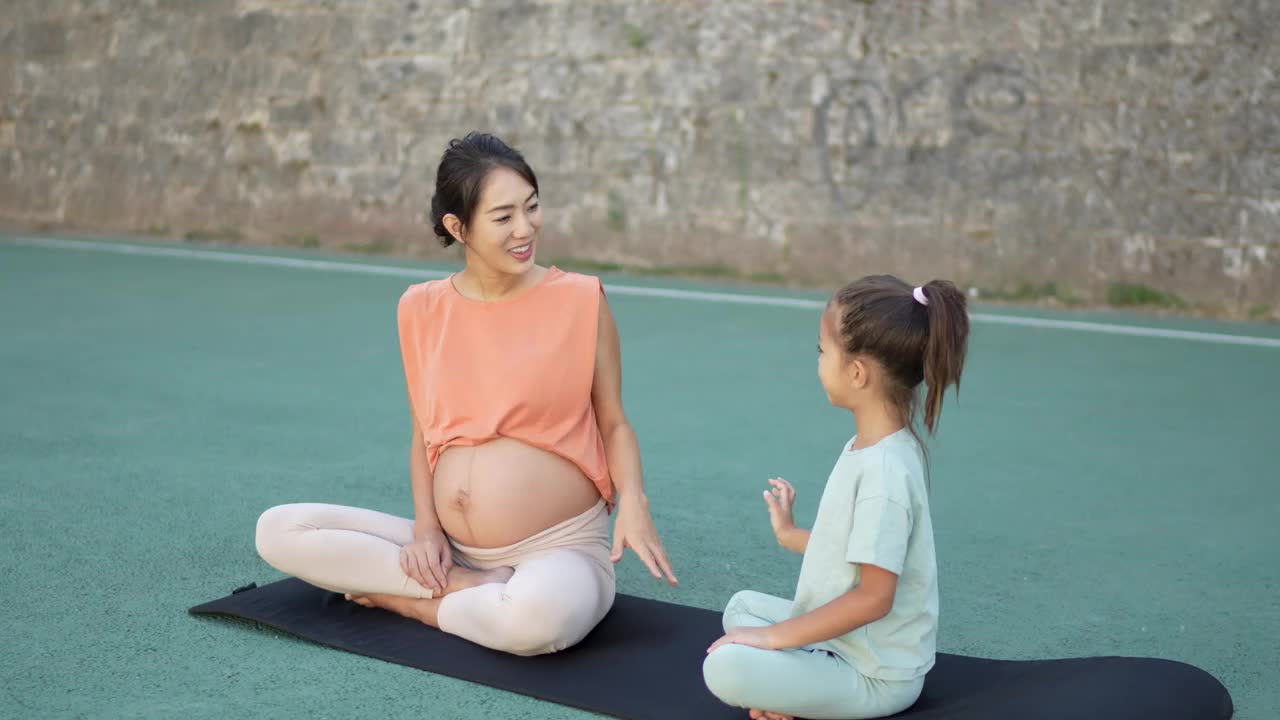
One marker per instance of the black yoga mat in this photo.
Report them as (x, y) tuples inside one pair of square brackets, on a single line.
[(645, 661)]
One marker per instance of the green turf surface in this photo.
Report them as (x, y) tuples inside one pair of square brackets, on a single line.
[(1093, 494)]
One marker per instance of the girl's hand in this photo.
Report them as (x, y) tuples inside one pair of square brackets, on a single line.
[(634, 529), (428, 559), (757, 637), (780, 498)]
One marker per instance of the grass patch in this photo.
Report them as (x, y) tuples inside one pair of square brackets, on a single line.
[(617, 212), (707, 271), (224, 235), (1260, 312), (1030, 292), (637, 38), (711, 270), (1121, 294), (376, 246), (586, 265), (308, 241)]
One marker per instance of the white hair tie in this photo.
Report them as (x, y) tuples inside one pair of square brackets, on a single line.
[(918, 294)]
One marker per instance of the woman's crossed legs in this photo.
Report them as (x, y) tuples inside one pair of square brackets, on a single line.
[(525, 603)]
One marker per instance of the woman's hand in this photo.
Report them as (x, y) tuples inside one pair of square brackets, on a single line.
[(757, 637), (780, 498), (428, 559), (634, 529)]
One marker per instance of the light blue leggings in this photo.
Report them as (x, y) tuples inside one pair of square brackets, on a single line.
[(807, 682)]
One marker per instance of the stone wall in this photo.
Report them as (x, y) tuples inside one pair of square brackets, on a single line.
[(1081, 142)]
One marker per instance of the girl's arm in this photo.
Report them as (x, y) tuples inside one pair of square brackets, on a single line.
[(634, 527), (794, 539), (780, 498), (870, 601)]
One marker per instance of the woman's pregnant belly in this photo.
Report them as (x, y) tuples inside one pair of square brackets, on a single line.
[(504, 491)]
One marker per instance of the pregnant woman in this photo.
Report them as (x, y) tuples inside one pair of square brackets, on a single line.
[(520, 447)]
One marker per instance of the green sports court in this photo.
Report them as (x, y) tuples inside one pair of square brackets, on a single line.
[(1105, 484)]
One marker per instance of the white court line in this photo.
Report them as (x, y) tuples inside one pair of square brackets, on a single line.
[(670, 293), (227, 257)]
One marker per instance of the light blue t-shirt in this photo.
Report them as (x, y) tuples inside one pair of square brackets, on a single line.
[(875, 510)]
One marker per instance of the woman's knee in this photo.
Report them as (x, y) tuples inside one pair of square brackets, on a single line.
[(533, 639), (555, 605), (538, 624), (274, 529)]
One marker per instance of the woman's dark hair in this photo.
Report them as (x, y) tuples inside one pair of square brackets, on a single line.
[(914, 342), (460, 178)]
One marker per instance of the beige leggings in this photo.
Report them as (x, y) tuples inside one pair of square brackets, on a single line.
[(562, 587)]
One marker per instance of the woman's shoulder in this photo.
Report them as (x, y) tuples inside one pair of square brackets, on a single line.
[(577, 289), (417, 297), (572, 280)]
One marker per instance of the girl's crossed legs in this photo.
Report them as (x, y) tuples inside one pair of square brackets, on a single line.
[(808, 682)]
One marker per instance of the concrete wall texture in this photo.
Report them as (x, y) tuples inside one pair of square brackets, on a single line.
[(1082, 142)]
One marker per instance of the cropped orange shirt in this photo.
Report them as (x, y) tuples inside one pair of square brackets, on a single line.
[(520, 368)]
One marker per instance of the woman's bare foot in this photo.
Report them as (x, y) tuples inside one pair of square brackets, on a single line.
[(461, 578), (426, 609), (420, 609)]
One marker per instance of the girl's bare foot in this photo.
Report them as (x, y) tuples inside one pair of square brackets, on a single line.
[(766, 715)]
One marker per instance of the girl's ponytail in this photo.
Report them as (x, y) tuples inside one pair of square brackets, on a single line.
[(947, 342)]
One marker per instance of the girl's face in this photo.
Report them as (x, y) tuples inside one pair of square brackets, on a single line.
[(832, 364), (504, 230)]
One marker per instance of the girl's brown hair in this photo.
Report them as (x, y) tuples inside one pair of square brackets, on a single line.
[(914, 342)]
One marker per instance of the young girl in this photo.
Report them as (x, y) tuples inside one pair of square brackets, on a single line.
[(859, 637)]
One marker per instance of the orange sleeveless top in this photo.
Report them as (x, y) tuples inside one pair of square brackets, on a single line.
[(520, 368)]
